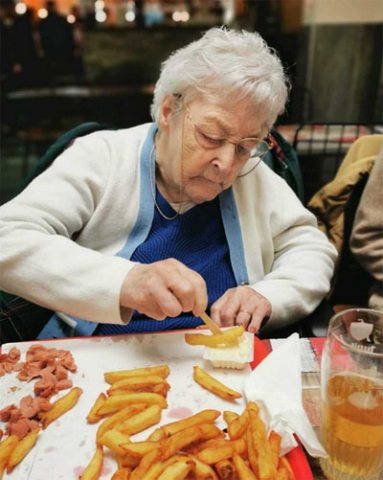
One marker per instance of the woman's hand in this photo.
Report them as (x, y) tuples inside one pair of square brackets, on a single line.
[(241, 306), (164, 289)]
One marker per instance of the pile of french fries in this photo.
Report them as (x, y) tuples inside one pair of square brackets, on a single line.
[(13, 450), (191, 448)]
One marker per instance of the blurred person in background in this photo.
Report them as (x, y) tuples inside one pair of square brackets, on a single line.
[(19, 59), (367, 233), (142, 229), (58, 43)]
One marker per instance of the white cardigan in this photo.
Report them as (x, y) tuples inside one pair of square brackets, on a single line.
[(66, 240)]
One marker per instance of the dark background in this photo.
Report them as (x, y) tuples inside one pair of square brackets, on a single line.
[(108, 76)]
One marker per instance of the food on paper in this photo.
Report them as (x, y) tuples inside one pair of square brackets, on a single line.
[(243, 470), (225, 469), (114, 440), (237, 356), (93, 416), (9, 362), (93, 469), (22, 449), (142, 420), (210, 383), (61, 406), (6, 448), (238, 425), (260, 453), (160, 370), (116, 402), (201, 418), (229, 337), (229, 416), (118, 418), (121, 474), (195, 448), (49, 368), (138, 449)]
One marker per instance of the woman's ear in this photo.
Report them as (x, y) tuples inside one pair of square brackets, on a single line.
[(166, 110)]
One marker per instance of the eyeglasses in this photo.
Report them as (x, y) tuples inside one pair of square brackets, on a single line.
[(244, 149)]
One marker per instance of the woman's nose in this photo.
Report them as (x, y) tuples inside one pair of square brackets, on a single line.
[(225, 158)]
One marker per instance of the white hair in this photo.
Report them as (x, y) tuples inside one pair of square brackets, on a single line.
[(226, 64)]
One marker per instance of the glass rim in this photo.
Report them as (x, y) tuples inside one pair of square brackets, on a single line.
[(348, 346)]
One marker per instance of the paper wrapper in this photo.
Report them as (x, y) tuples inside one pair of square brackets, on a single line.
[(276, 386)]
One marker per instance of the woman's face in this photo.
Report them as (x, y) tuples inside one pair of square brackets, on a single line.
[(198, 155)]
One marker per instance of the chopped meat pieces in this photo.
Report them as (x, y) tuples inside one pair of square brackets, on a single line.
[(50, 367)]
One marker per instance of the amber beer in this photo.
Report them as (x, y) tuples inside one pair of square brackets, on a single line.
[(352, 427)]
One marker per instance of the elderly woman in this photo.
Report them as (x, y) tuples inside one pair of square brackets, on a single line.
[(144, 228)]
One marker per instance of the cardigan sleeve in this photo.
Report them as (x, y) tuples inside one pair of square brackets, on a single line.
[(40, 261), (303, 259)]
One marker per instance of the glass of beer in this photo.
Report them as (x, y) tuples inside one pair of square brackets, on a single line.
[(352, 396)]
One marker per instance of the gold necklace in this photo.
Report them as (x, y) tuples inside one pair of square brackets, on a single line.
[(153, 188)]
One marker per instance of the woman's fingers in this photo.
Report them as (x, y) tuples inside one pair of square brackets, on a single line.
[(241, 306), (164, 289)]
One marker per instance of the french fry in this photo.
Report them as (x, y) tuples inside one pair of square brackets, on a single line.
[(200, 418), (22, 449), (212, 455), (93, 469), (214, 386), (225, 469), (139, 473), (238, 426), (113, 439), (115, 403), (139, 449), (122, 474), (252, 406), (284, 464), (229, 416), (243, 471), (117, 419), (239, 446), (155, 470), (142, 420), (282, 474), (158, 467), (112, 377), (228, 338), (196, 447), (161, 389), (176, 442), (178, 470), (126, 461), (251, 451), (6, 448), (93, 416), (203, 471), (61, 406), (266, 468), (275, 444), (137, 383), (157, 434)]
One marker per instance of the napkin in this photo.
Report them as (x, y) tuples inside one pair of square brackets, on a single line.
[(275, 384)]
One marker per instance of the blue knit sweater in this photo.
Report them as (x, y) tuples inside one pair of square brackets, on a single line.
[(195, 238)]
